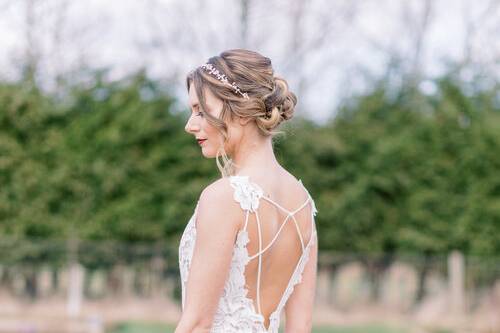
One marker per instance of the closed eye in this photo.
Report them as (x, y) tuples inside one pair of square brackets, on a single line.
[(196, 110)]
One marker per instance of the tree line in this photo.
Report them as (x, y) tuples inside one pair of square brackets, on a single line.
[(395, 170)]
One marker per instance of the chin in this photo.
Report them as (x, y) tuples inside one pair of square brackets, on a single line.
[(208, 153)]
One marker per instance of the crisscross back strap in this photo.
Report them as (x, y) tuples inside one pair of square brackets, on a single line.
[(248, 195)]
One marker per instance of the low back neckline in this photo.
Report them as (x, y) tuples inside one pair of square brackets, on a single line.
[(248, 194)]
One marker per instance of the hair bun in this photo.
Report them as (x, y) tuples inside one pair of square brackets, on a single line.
[(280, 102)]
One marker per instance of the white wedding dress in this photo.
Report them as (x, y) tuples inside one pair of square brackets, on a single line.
[(236, 312)]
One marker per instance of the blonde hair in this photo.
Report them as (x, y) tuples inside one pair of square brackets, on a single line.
[(270, 100)]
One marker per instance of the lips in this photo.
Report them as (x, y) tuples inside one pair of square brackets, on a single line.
[(200, 141)]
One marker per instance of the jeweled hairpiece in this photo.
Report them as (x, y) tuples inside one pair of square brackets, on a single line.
[(222, 78)]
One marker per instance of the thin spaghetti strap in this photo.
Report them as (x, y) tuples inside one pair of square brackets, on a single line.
[(303, 205), (286, 210), (274, 238), (276, 204), (246, 220), (248, 197), (279, 231), (298, 230)]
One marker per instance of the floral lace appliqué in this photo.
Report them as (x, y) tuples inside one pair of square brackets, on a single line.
[(235, 311), (246, 193)]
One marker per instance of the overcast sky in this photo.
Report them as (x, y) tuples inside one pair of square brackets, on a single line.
[(339, 45)]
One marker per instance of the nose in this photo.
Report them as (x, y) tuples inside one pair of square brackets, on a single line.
[(191, 126)]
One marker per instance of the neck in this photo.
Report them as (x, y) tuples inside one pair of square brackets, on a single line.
[(254, 156)]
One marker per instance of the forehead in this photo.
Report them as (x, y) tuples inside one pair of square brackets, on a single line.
[(210, 99)]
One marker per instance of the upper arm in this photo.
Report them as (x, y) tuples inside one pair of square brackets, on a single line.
[(299, 307), (217, 222)]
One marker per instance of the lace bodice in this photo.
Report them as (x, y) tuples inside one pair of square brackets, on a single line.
[(235, 311)]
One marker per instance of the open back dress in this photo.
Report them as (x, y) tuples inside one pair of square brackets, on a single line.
[(236, 311)]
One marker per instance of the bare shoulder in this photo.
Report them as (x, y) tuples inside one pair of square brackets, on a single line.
[(294, 187), (220, 189), (217, 208)]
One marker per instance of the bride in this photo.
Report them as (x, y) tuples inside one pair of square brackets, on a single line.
[(249, 250)]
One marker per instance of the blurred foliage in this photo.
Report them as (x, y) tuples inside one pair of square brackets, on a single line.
[(404, 172), (107, 164), (394, 171)]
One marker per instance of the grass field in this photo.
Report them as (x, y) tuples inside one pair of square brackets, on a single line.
[(138, 327)]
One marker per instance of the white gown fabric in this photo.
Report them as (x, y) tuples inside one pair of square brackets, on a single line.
[(236, 312)]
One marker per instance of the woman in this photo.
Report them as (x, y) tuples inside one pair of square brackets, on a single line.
[(249, 250)]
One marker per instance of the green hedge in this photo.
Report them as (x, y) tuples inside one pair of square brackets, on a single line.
[(394, 171)]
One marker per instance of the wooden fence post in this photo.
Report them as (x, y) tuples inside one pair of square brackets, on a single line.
[(456, 282), (75, 280)]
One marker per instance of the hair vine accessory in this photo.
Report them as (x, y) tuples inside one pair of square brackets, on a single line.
[(222, 78)]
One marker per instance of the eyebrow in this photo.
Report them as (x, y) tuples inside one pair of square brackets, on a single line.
[(196, 104)]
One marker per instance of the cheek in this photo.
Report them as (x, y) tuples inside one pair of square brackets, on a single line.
[(211, 131), (214, 141)]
